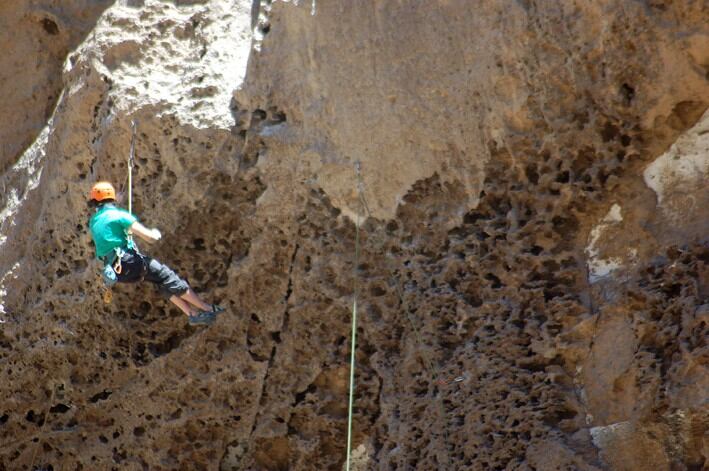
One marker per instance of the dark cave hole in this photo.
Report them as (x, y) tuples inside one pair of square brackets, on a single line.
[(59, 409), (563, 177), (496, 282), (472, 217), (34, 418), (627, 92), (198, 243), (4, 418), (278, 117), (672, 291), (102, 396), (557, 416), (300, 397), (532, 175), (536, 250), (565, 225), (50, 26), (165, 347)]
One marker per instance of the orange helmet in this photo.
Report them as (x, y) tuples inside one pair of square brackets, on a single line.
[(103, 191)]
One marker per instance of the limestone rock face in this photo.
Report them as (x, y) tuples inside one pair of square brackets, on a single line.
[(529, 184), (35, 38)]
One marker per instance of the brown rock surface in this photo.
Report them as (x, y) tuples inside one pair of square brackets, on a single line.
[(534, 275)]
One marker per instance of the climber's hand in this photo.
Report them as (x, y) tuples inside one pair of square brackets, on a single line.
[(156, 234)]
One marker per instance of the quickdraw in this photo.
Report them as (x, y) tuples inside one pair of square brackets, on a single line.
[(117, 267)]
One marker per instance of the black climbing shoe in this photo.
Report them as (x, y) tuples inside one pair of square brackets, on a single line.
[(217, 309), (204, 317)]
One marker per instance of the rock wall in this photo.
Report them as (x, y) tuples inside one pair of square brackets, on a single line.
[(533, 280)]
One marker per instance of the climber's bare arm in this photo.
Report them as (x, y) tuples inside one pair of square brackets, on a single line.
[(148, 235)]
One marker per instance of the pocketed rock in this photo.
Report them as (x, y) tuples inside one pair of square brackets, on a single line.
[(525, 182)]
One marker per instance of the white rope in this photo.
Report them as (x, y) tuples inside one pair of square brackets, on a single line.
[(131, 156)]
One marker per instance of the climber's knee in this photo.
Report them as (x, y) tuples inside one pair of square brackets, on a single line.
[(167, 281)]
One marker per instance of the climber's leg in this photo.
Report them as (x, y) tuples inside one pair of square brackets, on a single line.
[(192, 298), (184, 307), (172, 286)]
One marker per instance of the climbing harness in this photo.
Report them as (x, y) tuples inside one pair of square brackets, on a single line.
[(117, 267)]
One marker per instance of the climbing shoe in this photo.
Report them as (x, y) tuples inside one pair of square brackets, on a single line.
[(204, 317), (217, 309)]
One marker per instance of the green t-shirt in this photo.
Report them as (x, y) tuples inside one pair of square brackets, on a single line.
[(109, 229)]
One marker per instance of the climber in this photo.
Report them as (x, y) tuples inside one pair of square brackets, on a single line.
[(111, 230)]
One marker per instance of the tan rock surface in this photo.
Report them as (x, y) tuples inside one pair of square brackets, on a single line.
[(534, 275)]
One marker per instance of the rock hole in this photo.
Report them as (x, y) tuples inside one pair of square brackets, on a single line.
[(563, 177), (59, 409), (278, 117), (50, 26), (609, 132), (496, 282), (531, 173), (102, 396), (34, 418), (627, 92)]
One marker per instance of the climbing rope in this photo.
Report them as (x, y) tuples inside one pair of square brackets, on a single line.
[(353, 342), (107, 292), (427, 361), (131, 159)]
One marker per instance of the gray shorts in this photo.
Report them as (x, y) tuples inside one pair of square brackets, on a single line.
[(167, 281), (137, 267)]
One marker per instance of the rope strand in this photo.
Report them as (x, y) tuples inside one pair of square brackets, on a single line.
[(353, 340), (131, 159)]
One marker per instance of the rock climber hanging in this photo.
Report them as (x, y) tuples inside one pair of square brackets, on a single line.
[(112, 229)]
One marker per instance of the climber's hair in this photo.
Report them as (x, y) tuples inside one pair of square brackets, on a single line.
[(95, 204)]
